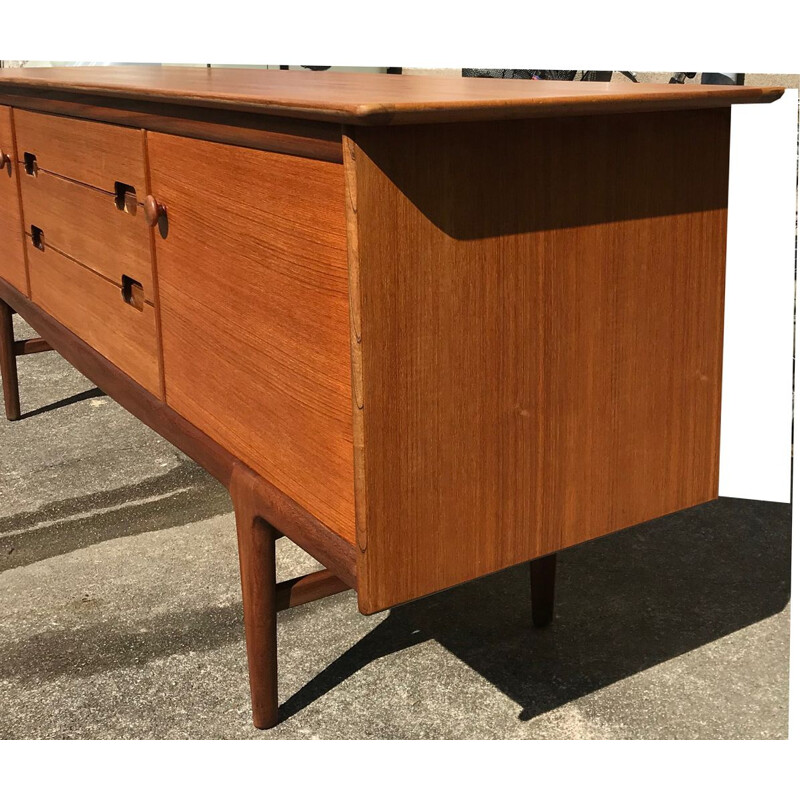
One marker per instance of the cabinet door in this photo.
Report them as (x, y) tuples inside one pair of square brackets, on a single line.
[(12, 249), (252, 282)]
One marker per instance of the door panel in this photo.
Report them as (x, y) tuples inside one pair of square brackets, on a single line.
[(252, 275)]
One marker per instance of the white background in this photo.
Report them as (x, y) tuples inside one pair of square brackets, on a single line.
[(756, 444)]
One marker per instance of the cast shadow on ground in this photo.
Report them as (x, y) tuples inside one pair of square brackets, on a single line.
[(67, 401), (624, 603), (183, 495)]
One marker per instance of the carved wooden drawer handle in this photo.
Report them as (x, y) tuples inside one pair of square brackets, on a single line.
[(3, 158), (153, 210)]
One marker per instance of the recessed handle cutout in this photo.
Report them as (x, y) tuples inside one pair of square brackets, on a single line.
[(132, 292), (31, 167), (125, 197), (37, 237)]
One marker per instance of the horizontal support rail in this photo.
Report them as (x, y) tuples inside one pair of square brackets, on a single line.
[(26, 347), (307, 588)]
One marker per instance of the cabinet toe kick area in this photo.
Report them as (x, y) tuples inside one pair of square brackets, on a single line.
[(426, 328)]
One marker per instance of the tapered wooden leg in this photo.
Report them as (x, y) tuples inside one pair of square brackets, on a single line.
[(8, 362), (257, 566), (543, 586)]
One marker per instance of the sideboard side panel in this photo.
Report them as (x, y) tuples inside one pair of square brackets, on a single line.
[(252, 282), (12, 245), (540, 329)]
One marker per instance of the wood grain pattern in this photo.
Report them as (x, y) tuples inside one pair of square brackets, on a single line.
[(12, 248), (85, 223), (90, 152), (278, 510), (541, 335), (254, 313), (372, 99), (300, 137), (356, 357), (92, 307)]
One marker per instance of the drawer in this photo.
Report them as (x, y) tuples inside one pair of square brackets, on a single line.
[(94, 309), (12, 248), (86, 224), (90, 152)]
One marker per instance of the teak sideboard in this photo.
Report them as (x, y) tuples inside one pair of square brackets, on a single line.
[(427, 328)]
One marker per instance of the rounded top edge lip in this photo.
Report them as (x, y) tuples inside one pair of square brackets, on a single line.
[(393, 110)]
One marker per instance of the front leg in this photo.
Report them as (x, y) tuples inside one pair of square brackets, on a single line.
[(257, 567), (8, 362)]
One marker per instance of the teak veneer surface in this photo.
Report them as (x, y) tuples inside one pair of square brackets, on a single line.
[(12, 248), (89, 152), (252, 273), (362, 98), (85, 223), (92, 307), (538, 336)]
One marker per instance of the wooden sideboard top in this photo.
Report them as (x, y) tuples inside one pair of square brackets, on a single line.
[(368, 98)]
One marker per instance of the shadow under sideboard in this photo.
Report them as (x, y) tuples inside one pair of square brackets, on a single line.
[(624, 603)]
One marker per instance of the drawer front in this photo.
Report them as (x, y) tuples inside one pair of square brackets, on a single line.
[(86, 225), (90, 152), (93, 308), (12, 248), (252, 280)]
